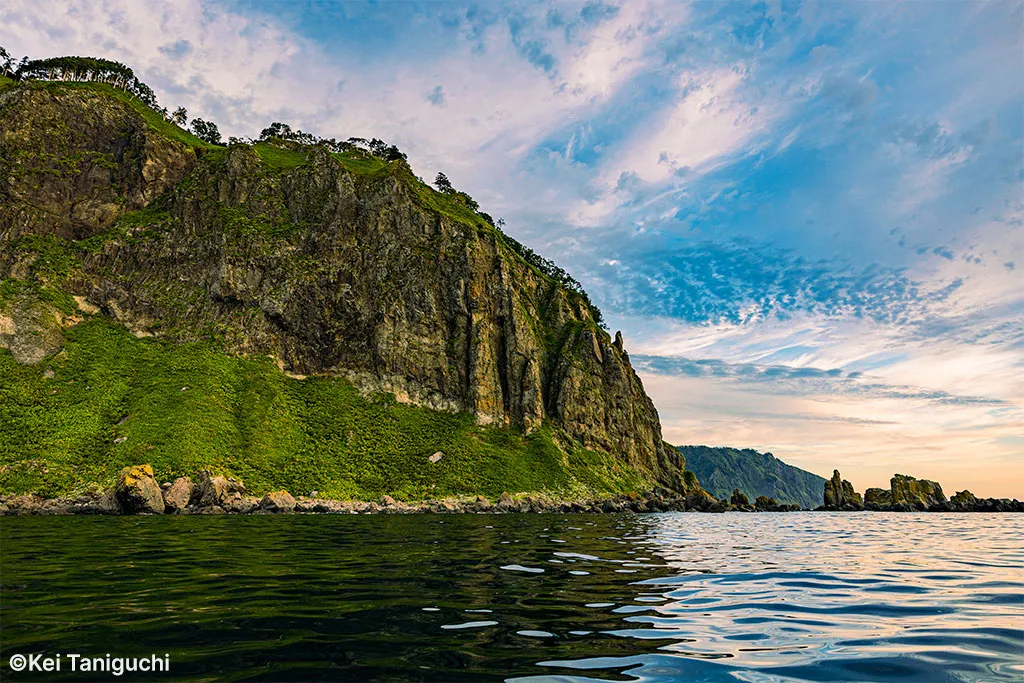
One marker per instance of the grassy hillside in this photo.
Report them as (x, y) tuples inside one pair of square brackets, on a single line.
[(720, 470), (185, 407)]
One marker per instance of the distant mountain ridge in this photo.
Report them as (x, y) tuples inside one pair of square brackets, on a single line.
[(720, 470)]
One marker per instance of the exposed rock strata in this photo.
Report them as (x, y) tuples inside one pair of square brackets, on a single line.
[(328, 270)]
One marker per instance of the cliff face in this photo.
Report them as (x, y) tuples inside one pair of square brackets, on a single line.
[(333, 265)]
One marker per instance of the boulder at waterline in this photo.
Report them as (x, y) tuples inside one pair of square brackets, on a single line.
[(137, 491)]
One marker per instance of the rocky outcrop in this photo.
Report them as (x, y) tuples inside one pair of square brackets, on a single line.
[(963, 501), (909, 493), (217, 490), (839, 494), (30, 329), (277, 501), (177, 497), (137, 491), (95, 154), (877, 499), (327, 269), (701, 500), (739, 498)]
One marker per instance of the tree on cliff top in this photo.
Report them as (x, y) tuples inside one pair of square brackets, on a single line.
[(88, 69), (206, 130)]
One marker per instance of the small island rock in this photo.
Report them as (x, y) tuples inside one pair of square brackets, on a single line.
[(839, 494), (909, 493), (739, 499)]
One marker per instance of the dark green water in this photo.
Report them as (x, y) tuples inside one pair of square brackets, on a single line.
[(736, 597)]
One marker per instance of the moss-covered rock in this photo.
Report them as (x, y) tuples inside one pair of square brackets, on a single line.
[(964, 501), (877, 499), (915, 494), (138, 492), (30, 328)]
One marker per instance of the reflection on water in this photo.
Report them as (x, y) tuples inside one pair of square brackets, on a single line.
[(734, 597)]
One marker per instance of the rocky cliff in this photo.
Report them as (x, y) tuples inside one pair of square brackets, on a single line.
[(333, 264)]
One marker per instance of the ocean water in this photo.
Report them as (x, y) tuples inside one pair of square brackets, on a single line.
[(659, 597)]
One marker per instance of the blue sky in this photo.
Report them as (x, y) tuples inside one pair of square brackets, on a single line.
[(806, 218)]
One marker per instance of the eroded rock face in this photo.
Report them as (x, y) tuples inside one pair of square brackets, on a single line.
[(98, 157), (327, 270), (917, 494), (138, 492), (839, 494)]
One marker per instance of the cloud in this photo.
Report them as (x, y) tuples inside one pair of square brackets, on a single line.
[(177, 49), (789, 380), (436, 97)]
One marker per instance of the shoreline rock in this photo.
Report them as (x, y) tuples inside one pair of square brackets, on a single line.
[(104, 504), (137, 492)]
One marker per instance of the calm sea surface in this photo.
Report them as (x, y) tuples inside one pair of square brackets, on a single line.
[(661, 597)]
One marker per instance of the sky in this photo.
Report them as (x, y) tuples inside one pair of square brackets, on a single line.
[(807, 219)]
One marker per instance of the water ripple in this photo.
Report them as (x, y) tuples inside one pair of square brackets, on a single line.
[(733, 597)]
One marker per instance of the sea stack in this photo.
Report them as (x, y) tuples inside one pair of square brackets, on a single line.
[(839, 494)]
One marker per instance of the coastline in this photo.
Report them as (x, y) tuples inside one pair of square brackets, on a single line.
[(106, 504), (137, 492)]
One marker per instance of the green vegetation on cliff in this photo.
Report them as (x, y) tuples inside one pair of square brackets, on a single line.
[(720, 470), (109, 400), (201, 271)]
